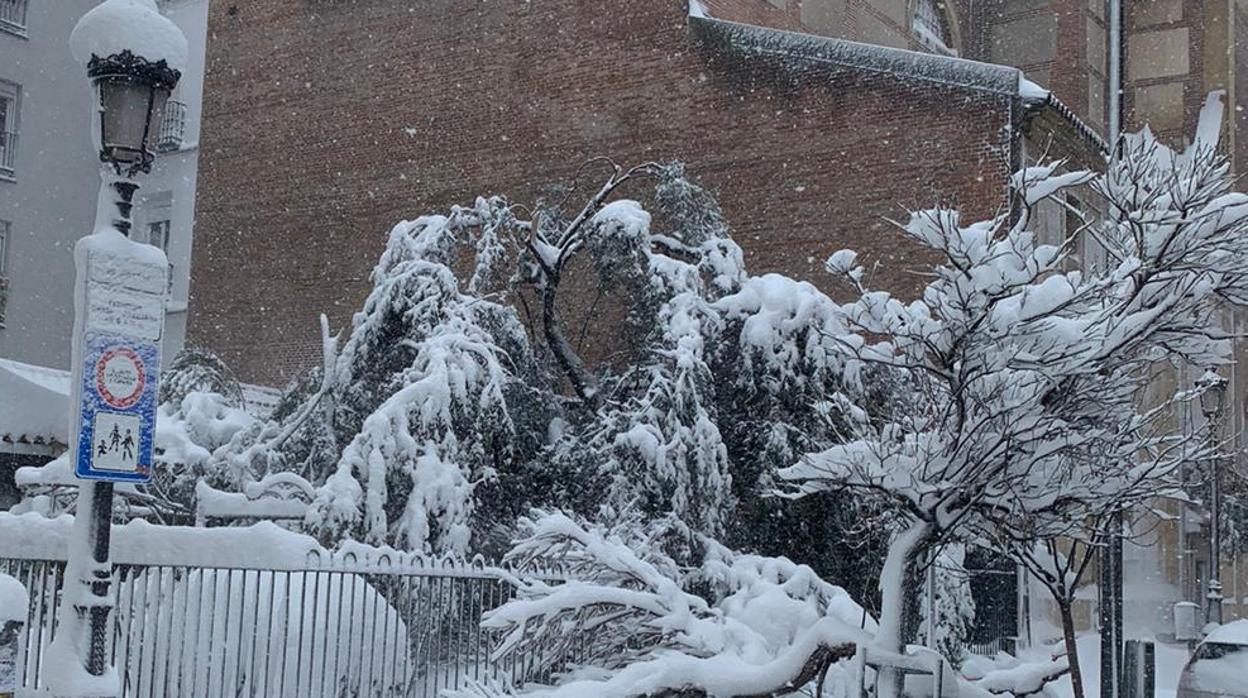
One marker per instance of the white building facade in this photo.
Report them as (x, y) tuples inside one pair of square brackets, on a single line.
[(49, 175)]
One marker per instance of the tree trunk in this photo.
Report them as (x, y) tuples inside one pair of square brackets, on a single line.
[(565, 355), (899, 563), (1072, 647)]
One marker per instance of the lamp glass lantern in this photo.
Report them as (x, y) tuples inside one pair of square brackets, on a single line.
[(131, 94), (1211, 397)]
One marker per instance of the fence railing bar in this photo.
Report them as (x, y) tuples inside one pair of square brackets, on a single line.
[(329, 595), (253, 675), (376, 651), (355, 581), (225, 629), (342, 585), (284, 641), (151, 617), (173, 595), (30, 672), (196, 651), (388, 643), (43, 613), (410, 645), (316, 602), (240, 678)]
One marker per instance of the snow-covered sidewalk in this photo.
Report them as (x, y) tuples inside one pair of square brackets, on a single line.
[(1170, 661)]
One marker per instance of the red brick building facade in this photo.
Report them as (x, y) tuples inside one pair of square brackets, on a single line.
[(326, 122)]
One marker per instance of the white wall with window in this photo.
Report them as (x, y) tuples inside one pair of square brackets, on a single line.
[(49, 189)]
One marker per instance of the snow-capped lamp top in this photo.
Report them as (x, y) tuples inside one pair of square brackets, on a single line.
[(117, 26)]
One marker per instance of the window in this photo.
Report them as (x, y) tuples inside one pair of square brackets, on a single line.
[(13, 16), (9, 93), (158, 235), (931, 26)]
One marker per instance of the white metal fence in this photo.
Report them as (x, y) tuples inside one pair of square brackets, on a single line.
[(340, 628)]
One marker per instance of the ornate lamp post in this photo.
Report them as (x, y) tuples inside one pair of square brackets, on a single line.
[(1211, 402), (131, 94), (133, 57)]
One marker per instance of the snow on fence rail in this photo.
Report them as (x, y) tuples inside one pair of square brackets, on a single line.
[(360, 622)]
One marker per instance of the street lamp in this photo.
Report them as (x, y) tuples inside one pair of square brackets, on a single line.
[(1213, 392), (133, 57), (131, 95)]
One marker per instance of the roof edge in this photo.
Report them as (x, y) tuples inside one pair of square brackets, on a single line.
[(946, 70), (1067, 114)]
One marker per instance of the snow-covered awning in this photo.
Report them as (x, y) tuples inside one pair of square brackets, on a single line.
[(34, 404)]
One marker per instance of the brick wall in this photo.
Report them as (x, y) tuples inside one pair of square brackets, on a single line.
[(758, 12), (327, 122)]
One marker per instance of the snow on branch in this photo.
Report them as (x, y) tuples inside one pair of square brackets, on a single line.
[(774, 628)]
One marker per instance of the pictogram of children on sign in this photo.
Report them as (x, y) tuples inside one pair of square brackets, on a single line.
[(115, 445)]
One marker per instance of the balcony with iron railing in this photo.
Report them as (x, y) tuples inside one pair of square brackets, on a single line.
[(13, 16), (8, 154), (172, 128)]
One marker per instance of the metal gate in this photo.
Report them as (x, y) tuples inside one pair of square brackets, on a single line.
[(996, 609)]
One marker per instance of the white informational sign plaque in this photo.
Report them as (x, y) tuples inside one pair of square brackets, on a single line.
[(118, 373)]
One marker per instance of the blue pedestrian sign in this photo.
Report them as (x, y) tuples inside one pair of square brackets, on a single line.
[(118, 370)]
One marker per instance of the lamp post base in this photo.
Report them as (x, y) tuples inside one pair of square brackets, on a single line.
[(1213, 609)]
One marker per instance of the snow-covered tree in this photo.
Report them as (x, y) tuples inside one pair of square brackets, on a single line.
[(1022, 364), (459, 396)]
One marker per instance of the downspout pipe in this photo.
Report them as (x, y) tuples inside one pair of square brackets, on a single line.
[(1115, 74)]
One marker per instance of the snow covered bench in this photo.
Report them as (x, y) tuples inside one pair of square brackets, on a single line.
[(277, 497)]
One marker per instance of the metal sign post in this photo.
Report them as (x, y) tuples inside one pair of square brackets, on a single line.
[(121, 292)]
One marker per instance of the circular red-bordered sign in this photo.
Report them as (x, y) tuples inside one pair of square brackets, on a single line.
[(120, 377)]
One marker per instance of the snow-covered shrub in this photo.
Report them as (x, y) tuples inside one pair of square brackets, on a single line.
[(199, 370), (1017, 677), (758, 625), (425, 376)]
